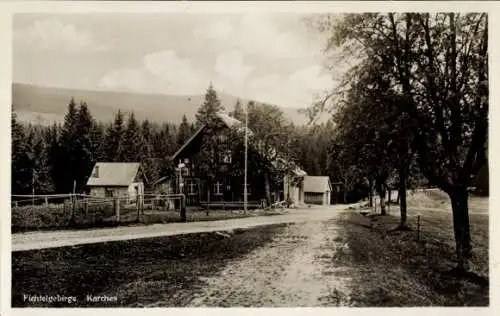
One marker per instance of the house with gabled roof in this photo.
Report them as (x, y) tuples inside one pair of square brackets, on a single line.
[(225, 186), (317, 190), (116, 179)]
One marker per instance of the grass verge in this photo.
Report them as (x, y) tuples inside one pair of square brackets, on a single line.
[(59, 220), (394, 269), (163, 271)]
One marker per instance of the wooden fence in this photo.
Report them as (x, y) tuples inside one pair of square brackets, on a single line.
[(34, 212)]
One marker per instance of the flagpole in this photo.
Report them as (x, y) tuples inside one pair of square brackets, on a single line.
[(245, 189)]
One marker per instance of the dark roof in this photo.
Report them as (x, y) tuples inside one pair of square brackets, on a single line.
[(114, 174), (228, 121), (231, 122)]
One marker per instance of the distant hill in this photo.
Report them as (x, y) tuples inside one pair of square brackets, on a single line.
[(47, 105)]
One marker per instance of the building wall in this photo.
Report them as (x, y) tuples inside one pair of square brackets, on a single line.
[(134, 189), (327, 197), (314, 198), (97, 191), (115, 191), (296, 192)]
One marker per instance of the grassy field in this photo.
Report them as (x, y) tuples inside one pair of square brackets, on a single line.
[(393, 268), (137, 272)]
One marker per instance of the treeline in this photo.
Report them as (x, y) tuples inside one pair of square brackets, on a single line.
[(60, 157)]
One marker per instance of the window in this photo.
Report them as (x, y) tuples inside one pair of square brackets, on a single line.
[(108, 192), (95, 174), (222, 138), (228, 156), (192, 187), (218, 188)]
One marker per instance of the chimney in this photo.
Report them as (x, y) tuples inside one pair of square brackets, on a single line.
[(96, 172)]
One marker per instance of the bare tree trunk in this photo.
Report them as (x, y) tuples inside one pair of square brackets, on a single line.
[(267, 188), (459, 203), (381, 192), (382, 202), (402, 197), (370, 192), (345, 193)]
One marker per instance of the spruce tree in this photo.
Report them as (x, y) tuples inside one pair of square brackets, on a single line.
[(147, 152), (184, 132), (98, 138), (21, 173), (83, 139), (132, 143), (53, 154), (211, 105), (40, 163), (114, 139), (238, 112), (67, 168)]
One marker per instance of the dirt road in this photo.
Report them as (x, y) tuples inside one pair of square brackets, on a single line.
[(292, 270), (53, 239)]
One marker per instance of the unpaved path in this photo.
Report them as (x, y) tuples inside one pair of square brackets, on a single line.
[(292, 271), (53, 239)]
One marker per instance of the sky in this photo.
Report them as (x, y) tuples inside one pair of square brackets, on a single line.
[(272, 58)]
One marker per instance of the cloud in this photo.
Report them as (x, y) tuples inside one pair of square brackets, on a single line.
[(161, 72), (232, 66), (311, 79), (297, 89), (53, 35), (219, 30), (257, 34)]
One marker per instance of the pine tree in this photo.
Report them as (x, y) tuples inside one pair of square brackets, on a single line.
[(40, 163), (147, 152), (83, 139), (171, 139), (53, 154), (21, 173), (132, 141), (146, 138), (193, 129), (67, 167), (184, 132), (211, 105), (114, 139), (98, 138), (238, 112)]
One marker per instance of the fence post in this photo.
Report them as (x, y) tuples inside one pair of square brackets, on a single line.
[(183, 209), (46, 202), (141, 205), (73, 207), (418, 227), (116, 203)]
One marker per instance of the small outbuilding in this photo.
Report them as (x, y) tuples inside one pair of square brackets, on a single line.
[(116, 179), (317, 190), (293, 187)]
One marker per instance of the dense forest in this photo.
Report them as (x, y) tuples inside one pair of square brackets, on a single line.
[(59, 158)]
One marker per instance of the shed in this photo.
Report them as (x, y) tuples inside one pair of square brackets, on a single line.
[(116, 179), (317, 190)]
